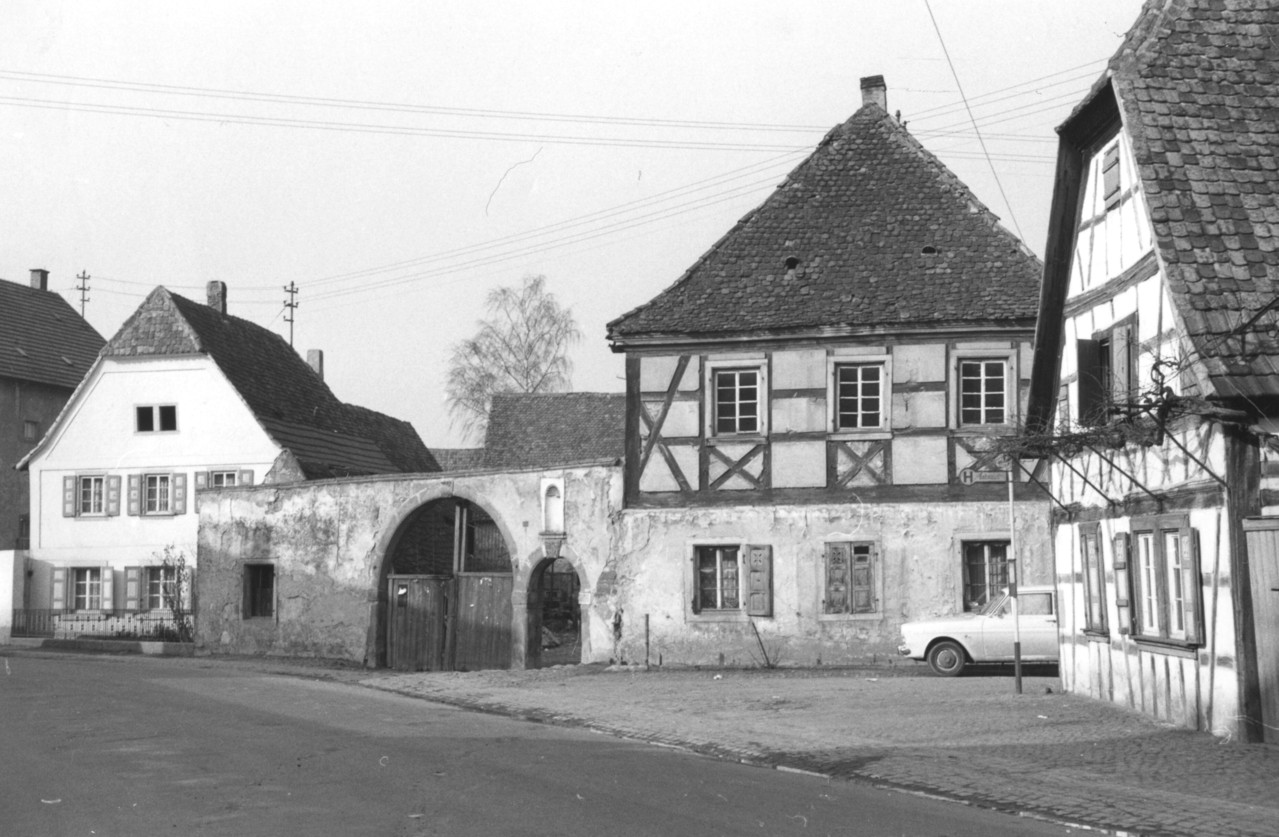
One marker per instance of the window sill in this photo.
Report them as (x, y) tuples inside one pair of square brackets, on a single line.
[(1171, 647), (1097, 636), (852, 435), (850, 617), (739, 439), (719, 616)]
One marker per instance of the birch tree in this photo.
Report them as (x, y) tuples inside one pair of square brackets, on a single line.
[(521, 346)]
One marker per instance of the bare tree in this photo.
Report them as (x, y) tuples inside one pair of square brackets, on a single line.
[(522, 346)]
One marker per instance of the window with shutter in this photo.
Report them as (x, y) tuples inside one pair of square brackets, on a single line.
[(1106, 373), (1168, 586), (850, 579), (716, 578), (1094, 579)]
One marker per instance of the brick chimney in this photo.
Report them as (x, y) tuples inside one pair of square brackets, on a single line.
[(217, 296), (315, 357), (875, 92), (39, 279)]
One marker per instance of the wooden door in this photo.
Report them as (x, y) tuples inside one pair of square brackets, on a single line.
[(1263, 558), (482, 621), (417, 625)]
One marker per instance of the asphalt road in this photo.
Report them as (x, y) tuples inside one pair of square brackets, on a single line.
[(129, 746)]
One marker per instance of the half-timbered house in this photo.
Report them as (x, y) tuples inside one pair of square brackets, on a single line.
[(811, 412), (1156, 376)]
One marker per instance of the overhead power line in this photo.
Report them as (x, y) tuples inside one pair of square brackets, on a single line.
[(1011, 214)]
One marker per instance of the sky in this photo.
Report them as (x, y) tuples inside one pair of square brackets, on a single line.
[(394, 162)]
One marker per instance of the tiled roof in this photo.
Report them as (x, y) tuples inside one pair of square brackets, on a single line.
[(1198, 87), (329, 438), (553, 429), (42, 338), (884, 234), (459, 459)]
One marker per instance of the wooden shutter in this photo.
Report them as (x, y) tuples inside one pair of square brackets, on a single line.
[(245, 477), (838, 575), (113, 495), (863, 581), (1121, 365), (59, 602), (202, 479), (759, 580), (135, 494), (68, 496), (135, 598), (1191, 585), (1123, 582), (108, 589), (179, 505), (1091, 392), (697, 581)]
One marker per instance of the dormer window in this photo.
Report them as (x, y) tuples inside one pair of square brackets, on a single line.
[(157, 418)]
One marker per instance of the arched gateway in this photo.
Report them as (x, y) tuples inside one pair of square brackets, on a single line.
[(446, 590)]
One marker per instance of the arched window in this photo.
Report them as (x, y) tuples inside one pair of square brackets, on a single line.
[(552, 509)]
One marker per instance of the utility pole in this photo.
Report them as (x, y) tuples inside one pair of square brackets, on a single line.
[(290, 305), (83, 288)]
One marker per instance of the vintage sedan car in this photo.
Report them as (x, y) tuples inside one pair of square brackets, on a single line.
[(950, 643)]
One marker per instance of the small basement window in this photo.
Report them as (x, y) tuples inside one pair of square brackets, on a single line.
[(259, 590)]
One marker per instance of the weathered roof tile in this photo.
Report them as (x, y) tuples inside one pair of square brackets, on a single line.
[(872, 221), (42, 338)]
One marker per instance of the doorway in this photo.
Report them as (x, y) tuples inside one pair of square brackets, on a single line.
[(555, 616), (448, 591)]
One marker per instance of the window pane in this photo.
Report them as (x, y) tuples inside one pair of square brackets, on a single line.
[(1176, 588), (168, 418), (146, 420), (1147, 578)]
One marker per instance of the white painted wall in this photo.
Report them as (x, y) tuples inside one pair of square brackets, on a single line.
[(216, 431)]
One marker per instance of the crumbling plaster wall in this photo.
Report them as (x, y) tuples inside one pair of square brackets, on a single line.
[(919, 574), (328, 541)]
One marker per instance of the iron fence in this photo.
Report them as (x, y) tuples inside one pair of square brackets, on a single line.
[(154, 626)]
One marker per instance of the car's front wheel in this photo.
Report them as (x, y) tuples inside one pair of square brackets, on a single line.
[(947, 658)]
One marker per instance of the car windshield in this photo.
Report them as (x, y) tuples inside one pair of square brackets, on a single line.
[(996, 605)]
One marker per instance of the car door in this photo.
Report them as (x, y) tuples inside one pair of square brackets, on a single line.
[(1038, 619)]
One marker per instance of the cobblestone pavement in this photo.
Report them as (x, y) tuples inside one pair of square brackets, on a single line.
[(971, 739)]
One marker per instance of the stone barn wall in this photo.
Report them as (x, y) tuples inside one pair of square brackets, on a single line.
[(918, 573), (327, 541)]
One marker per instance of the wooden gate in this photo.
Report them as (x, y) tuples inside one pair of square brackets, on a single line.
[(417, 627), (1263, 558), (482, 636)]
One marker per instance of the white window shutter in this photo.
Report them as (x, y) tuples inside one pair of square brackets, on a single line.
[(134, 598), (108, 589), (1191, 584), (1123, 585), (180, 493), (113, 495), (68, 496), (135, 494), (245, 477), (202, 479), (59, 601), (759, 580)]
